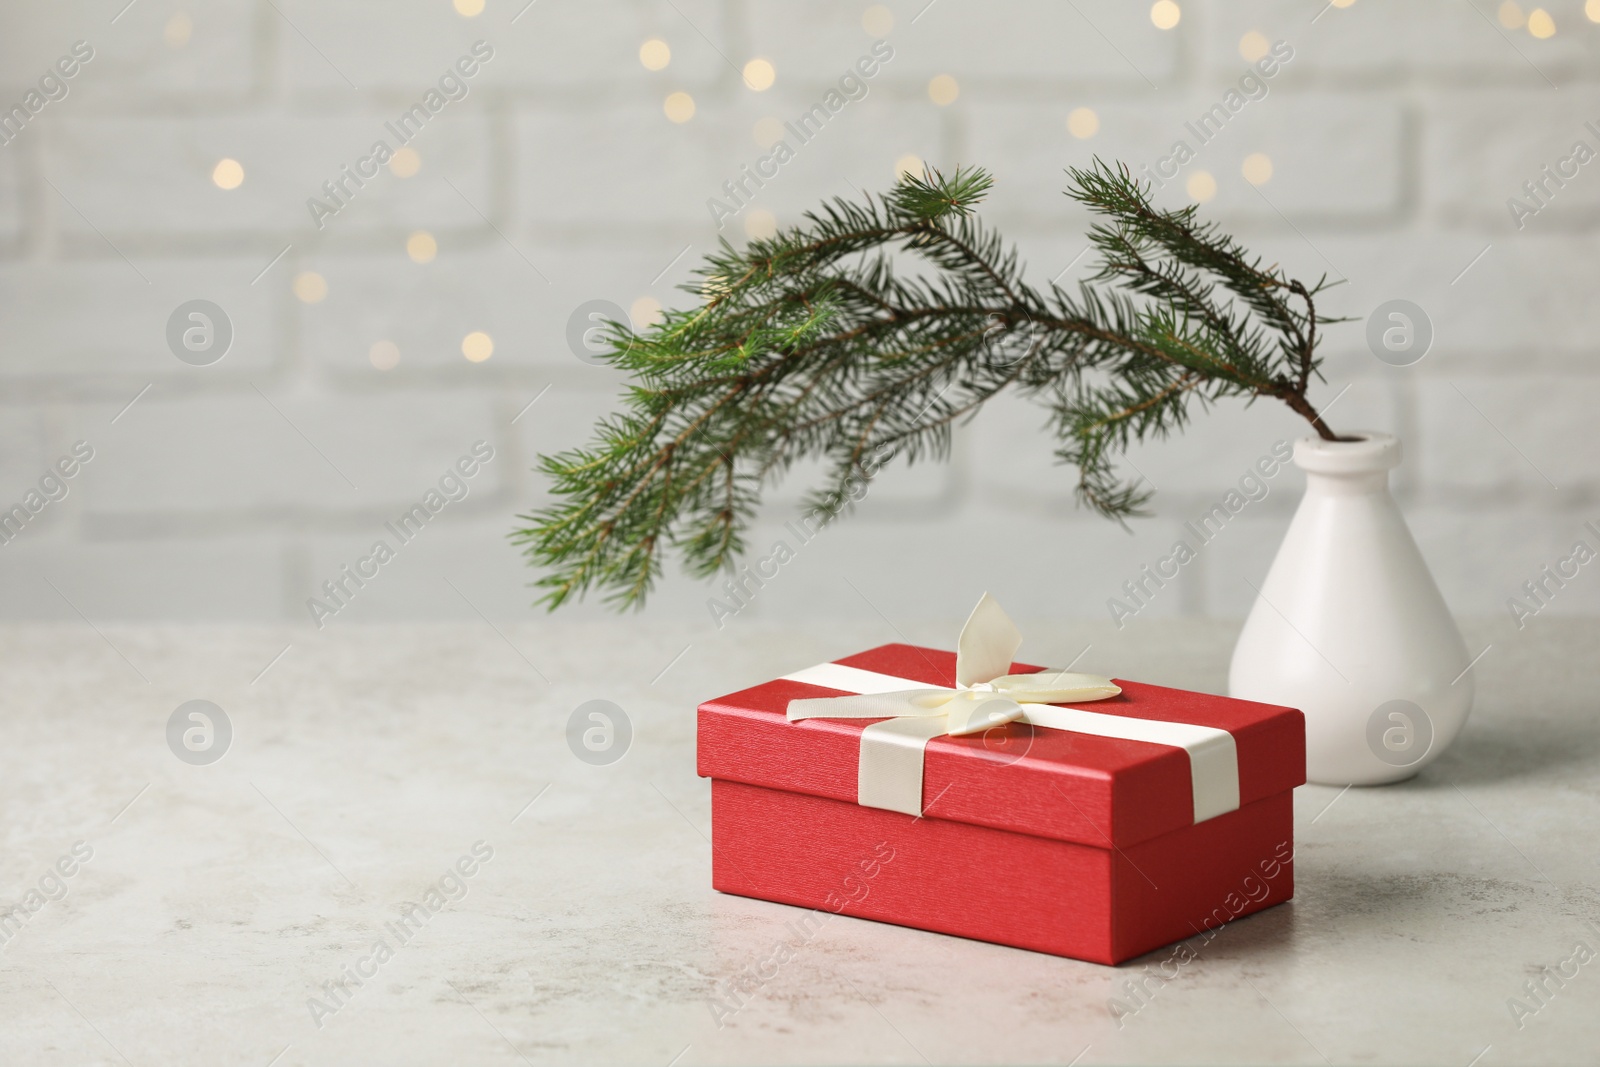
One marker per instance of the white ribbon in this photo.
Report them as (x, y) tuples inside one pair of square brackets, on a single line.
[(889, 769)]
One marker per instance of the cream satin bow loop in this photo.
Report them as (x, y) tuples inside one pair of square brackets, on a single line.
[(985, 696)]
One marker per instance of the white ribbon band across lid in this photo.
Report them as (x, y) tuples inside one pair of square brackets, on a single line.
[(890, 766)]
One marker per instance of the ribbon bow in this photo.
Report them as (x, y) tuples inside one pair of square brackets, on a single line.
[(889, 774), (985, 695)]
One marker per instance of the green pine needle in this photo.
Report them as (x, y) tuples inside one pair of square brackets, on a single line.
[(818, 342)]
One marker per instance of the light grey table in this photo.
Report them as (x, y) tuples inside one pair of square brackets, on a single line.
[(367, 761)]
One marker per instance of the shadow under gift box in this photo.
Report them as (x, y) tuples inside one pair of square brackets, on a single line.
[(1050, 840)]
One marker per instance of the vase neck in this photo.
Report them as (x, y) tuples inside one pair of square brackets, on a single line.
[(1353, 467), (1367, 483)]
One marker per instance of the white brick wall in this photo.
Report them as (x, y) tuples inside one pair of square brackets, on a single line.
[(1397, 133)]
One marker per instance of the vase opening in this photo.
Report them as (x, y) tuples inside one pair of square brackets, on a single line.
[(1360, 453)]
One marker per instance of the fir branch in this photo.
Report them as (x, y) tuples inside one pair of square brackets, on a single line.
[(818, 342)]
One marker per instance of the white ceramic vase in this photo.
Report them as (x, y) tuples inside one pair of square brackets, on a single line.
[(1350, 628)]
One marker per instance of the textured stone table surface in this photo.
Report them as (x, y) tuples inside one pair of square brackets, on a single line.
[(217, 900)]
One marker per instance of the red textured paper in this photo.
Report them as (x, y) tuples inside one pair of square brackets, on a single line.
[(1094, 904), (1070, 787)]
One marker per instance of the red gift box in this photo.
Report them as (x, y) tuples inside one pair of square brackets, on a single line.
[(1045, 839)]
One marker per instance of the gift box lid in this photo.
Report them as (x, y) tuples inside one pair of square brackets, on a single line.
[(1104, 792)]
